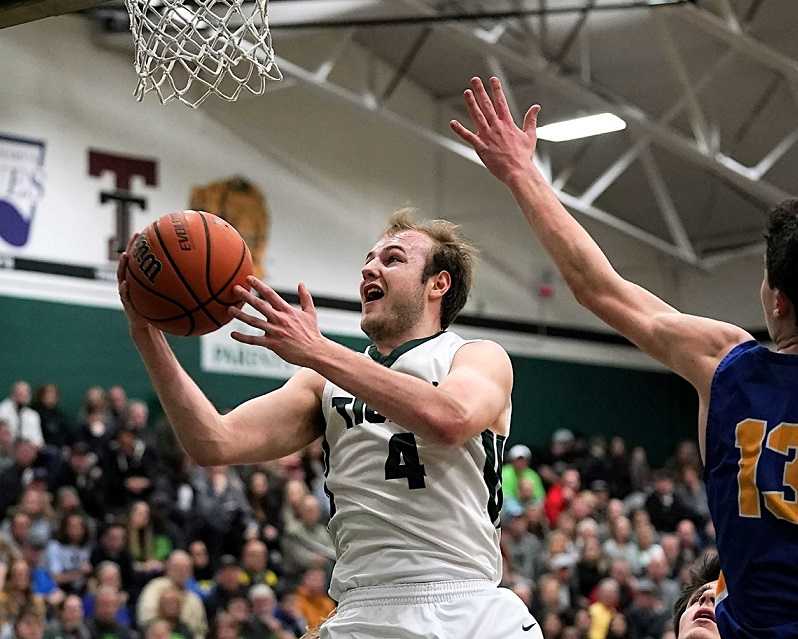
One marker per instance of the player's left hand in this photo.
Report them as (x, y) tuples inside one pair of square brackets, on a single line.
[(505, 149), (291, 333)]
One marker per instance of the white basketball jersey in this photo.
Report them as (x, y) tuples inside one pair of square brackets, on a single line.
[(406, 510)]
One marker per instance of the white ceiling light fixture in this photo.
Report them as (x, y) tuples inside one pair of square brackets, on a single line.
[(581, 127)]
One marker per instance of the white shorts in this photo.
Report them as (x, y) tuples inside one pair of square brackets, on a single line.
[(438, 610)]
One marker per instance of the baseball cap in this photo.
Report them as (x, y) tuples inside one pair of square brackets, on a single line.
[(228, 561), (519, 450), (646, 585), (562, 436), (563, 560)]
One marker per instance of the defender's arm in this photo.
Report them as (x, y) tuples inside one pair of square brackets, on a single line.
[(691, 346)]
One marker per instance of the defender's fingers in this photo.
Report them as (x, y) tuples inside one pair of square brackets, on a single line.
[(474, 111), (483, 100), (467, 136), (500, 100)]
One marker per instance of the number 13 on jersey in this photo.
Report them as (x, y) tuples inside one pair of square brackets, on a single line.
[(749, 438)]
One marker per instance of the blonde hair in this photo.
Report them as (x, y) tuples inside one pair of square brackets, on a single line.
[(451, 252)]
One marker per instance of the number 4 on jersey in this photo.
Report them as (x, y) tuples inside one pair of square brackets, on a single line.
[(402, 446)]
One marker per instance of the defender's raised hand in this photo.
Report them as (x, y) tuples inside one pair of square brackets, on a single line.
[(505, 149)]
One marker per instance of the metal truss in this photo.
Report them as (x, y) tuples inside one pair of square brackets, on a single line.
[(510, 47), (702, 151)]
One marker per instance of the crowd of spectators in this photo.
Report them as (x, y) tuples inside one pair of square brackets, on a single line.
[(109, 531), (597, 544)]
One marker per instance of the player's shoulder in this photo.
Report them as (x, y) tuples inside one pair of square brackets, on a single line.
[(308, 380), (482, 351)]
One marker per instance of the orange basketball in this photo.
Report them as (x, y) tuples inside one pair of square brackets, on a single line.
[(181, 271)]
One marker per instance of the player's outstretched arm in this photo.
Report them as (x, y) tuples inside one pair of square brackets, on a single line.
[(264, 428), (691, 346)]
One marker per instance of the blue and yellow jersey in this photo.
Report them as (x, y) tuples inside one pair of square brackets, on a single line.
[(752, 485)]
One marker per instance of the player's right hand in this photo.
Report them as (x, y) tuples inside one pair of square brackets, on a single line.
[(135, 321)]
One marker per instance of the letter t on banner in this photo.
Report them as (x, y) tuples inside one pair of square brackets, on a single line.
[(123, 168)]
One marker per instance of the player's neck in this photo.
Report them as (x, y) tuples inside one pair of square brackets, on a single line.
[(419, 331), (788, 345)]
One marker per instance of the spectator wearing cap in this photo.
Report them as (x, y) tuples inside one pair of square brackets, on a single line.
[(560, 454), (228, 585), (130, 469), (306, 541), (517, 470), (647, 617), (104, 624), (23, 421), (14, 478), (312, 600), (70, 623), (68, 555), (521, 548), (85, 475), (603, 609), (178, 573), (562, 567)]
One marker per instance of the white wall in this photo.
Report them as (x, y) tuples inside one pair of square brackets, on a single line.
[(331, 174)]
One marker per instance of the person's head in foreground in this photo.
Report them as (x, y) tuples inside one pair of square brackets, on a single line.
[(417, 275), (779, 290), (694, 611)]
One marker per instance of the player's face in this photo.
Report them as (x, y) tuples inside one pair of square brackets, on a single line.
[(392, 293), (698, 621), (768, 298)]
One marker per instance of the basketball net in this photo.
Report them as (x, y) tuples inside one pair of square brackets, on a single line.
[(189, 50)]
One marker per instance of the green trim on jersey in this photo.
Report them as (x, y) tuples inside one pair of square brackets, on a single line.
[(389, 359), (493, 444)]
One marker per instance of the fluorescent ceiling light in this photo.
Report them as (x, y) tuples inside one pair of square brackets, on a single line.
[(581, 127)]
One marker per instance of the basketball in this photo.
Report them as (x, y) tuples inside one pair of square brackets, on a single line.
[(181, 271)]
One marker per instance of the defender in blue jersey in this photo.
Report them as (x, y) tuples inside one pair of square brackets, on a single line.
[(748, 415)]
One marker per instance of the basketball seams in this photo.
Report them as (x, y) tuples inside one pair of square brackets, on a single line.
[(208, 283), (186, 312), (180, 276)]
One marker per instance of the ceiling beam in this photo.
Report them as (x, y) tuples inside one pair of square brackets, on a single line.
[(723, 167), (359, 101), (741, 42)]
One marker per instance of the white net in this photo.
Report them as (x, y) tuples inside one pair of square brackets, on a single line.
[(189, 50)]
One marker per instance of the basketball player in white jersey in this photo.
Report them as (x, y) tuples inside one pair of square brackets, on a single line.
[(413, 430)]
